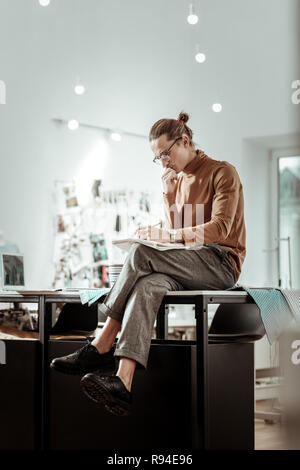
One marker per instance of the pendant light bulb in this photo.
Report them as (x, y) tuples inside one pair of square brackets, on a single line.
[(217, 107), (200, 57), (192, 17), (79, 89)]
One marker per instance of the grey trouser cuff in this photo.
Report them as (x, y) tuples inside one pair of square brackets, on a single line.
[(131, 355), (110, 313)]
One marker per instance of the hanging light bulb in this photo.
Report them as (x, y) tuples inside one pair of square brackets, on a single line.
[(44, 3), (73, 124), (116, 136), (200, 57), (79, 89), (217, 107), (192, 17)]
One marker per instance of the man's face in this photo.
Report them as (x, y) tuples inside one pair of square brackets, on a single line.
[(177, 155)]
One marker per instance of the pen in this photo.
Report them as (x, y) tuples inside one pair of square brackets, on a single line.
[(146, 226)]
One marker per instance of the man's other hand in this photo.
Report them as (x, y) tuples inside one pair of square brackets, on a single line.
[(151, 232)]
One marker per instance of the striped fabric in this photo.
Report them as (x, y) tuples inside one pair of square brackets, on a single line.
[(90, 296), (276, 312), (292, 296)]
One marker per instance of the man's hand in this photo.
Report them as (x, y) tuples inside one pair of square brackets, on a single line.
[(151, 232), (169, 181)]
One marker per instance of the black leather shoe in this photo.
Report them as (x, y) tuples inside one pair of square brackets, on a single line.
[(86, 359), (108, 390)]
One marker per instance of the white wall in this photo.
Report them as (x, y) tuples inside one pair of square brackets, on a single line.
[(136, 60), (255, 177)]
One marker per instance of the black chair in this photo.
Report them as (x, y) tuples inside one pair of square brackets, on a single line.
[(79, 318), (236, 323), (76, 317)]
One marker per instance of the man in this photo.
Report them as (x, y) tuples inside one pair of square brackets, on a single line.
[(204, 208)]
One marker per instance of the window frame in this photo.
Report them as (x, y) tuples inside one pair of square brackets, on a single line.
[(275, 155)]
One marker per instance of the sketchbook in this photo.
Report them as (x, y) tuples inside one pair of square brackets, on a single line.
[(126, 243)]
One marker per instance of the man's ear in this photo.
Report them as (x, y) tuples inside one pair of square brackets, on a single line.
[(186, 140)]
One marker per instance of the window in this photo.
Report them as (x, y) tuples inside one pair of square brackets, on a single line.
[(285, 215)]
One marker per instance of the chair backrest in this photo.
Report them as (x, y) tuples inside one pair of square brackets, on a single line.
[(76, 317), (238, 320)]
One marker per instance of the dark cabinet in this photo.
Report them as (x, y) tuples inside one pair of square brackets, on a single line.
[(20, 395), (164, 409)]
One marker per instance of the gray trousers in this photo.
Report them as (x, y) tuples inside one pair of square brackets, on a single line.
[(146, 276)]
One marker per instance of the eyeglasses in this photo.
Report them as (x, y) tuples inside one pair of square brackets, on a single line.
[(165, 153)]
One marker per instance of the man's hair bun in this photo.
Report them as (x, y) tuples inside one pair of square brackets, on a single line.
[(173, 128), (183, 117)]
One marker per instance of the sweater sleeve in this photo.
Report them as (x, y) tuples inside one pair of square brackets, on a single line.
[(225, 201)]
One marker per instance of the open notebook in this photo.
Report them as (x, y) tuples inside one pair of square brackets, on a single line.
[(126, 243)]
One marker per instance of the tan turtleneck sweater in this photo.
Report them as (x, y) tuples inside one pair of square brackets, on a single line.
[(214, 185)]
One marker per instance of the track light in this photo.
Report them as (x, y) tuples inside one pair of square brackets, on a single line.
[(116, 136), (73, 124)]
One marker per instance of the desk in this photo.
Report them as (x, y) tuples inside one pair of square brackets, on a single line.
[(200, 299)]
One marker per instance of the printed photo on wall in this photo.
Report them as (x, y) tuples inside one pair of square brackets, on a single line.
[(70, 195), (65, 196), (99, 247)]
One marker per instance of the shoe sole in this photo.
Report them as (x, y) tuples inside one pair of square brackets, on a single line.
[(99, 394), (105, 370)]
